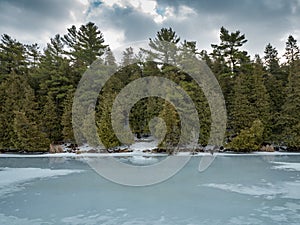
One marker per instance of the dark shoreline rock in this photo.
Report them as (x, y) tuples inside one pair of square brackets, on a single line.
[(119, 150), (55, 148)]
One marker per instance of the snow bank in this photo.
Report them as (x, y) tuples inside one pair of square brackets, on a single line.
[(144, 145), (141, 160)]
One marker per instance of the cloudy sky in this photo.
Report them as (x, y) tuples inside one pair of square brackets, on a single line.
[(124, 21)]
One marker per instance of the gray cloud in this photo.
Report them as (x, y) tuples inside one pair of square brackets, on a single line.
[(37, 20), (135, 24), (262, 21)]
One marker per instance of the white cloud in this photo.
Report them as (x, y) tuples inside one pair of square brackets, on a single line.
[(115, 38), (185, 12)]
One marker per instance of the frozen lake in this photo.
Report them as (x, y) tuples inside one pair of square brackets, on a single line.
[(251, 189)]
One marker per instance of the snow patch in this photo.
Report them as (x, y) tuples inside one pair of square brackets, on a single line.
[(141, 160), (145, 144), (13, 220), (11, 178), (124, 217), (288, 166), (268, 191)]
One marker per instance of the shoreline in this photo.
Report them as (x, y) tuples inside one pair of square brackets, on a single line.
[(82, 155)]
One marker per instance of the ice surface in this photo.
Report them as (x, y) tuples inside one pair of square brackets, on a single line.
[(13, 220), (269, 191), (287, 166), (292, 190), (234, 190), (10, 178)]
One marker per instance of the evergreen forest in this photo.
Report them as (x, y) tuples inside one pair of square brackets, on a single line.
[(37, 86)]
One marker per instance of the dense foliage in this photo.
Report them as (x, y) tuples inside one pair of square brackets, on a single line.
[(37, 87)]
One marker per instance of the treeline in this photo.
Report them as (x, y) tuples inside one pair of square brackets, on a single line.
[(37, 88)]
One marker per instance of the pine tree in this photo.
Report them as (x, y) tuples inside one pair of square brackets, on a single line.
[(29, 137), (110, 59), (290, 119), (33, 61), (54, 72), (271, 59), (105, 130), (66, 119), (229, 47), (202, 107), (128, 57), (3, 116), (90, 43), (249, 139), (15, 88), (275, 82), (250, 99), (258, 61), (219, 66), (241, 113), (206, 58), (261, 98), (18, 100), (84, 46), (51, 120), (54, 78), (37, 90), (292, 52), (172, 122), (12, 57), (164, 46), (33, 55), (90, 134)]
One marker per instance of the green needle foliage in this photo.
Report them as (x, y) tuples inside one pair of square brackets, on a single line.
[(37, 89)]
